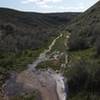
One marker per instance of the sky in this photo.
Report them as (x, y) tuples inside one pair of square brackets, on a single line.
[(48, 5)]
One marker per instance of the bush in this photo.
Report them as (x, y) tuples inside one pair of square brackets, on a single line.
[(97, 45), (76, 42), (82, 78), (77, 77), (7, 28)]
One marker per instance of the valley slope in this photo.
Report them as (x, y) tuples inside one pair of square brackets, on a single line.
[(83, 70)]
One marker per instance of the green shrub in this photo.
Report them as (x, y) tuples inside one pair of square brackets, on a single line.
[(77, 43), (77, 76), (82, 78)]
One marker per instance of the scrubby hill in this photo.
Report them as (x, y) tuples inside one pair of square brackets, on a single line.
[(62, 18), (25, 30), (85, 28), (84, 56)]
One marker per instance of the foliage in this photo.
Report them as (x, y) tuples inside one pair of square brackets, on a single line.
[(97, 46), (85, 29), (28, 96), (81, 79)]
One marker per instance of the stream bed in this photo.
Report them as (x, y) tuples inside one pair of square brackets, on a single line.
[(50, 84)]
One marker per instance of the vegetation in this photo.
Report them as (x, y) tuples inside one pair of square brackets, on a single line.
[(83, 81), (84, 56), (28, 96), (85, 29), (60, 43)]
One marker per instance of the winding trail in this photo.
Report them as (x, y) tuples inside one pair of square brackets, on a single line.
[(43, 56), (48, 82)]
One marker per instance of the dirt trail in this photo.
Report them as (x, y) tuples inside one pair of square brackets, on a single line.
[(43, 56)]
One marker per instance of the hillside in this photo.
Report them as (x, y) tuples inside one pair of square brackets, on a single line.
[(86, 26), (83, 69), (28, 26), (64, 17)]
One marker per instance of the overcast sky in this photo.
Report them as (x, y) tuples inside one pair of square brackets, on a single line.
[(48, 5)]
